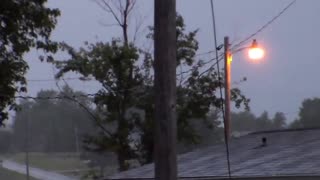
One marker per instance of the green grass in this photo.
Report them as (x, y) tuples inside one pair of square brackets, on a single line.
[(11, 175), (52, 162), (68, 164)]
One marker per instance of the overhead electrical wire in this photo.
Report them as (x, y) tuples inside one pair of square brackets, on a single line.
[(217, 59), (234, 47), (48, 80), (220, 89), (265, 25), (209, 52)]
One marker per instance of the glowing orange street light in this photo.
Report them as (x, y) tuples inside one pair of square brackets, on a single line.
[(255, 53)]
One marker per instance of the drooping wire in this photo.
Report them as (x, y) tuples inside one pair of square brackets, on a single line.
[(208, 52), (205, 53), (48, 97), (220, 87), (234, 47), (48, 80), (84, 107), (265, 25)]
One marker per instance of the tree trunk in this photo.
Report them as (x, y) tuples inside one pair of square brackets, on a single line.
[(123, 166)]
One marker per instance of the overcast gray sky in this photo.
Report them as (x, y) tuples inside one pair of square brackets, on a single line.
[(288, 74)]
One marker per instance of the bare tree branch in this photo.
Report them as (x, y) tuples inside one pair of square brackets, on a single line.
[(107, 25), (120, 10), (138, 27), (181, 76), (105, 4), (132, 5), (102, 6)]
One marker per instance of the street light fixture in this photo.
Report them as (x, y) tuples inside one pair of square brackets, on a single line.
[(255, 53)]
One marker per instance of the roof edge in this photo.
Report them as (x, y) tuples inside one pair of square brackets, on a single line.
[(285, 130), (227, 177)]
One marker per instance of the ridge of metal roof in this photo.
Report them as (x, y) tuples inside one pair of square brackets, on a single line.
[(285, 130)]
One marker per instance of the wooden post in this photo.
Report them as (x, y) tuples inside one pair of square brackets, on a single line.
[(227, 73), (27, 146), (165, 90)]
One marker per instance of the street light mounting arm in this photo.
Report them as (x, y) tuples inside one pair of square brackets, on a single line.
[(253, 45), (240, 49)]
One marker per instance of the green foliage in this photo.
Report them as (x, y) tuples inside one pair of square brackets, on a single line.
[(125, 104), (279, 120), (247, 122), (23, 25), (309, 115)]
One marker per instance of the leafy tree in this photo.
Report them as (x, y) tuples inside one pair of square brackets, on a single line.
[(247, 122), (309, 115), (264, 122), (125, 104), (279, 120), (55, 125), (243, 121), (23, 25)]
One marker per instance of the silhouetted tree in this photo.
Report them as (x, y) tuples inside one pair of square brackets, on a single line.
[(23, 25), (126, 102), (279, 120), (247, 122), (309, 115)]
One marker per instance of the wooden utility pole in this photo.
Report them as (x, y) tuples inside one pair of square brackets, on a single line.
[(165, 90), (227, 84), (27, 147)]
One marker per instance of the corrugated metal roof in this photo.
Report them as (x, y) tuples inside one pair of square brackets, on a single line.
[(287, 153)]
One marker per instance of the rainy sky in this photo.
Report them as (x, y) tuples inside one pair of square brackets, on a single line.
[(288, 74)]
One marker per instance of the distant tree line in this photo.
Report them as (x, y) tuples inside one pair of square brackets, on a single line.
[(56, 125), (60, 125), (308, 117), (246, 121), (309, 114), (123, 107)]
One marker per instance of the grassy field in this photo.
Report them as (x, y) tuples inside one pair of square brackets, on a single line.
[(64, 163), (11, 175), (68, 164), (53, 162)]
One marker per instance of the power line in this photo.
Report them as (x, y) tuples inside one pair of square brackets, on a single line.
[(135, 88), (247, 38), (50, 97), (87, 79), (200, 54), (204, 53), (92, 115), (200, 64), (47, 80), (220, 88), (267, 24), (208, 52)]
